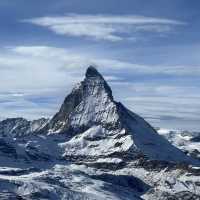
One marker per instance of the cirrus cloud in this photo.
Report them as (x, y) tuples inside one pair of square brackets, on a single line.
[(104, 27)]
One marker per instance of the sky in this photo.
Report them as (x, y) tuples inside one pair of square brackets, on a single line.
[(148, 51)]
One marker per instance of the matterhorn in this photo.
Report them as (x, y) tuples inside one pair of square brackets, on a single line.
[(93, 148)]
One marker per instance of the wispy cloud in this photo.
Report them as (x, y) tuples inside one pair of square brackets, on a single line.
[(66, 59), (105, 27)]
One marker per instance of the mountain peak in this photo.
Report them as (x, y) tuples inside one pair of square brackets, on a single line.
[(92, 72), (97, 126)]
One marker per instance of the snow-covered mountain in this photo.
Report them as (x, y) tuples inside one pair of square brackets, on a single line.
[(16, 127), (93, 148), (98, 126)]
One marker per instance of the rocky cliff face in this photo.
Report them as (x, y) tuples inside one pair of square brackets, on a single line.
[(90, 103)]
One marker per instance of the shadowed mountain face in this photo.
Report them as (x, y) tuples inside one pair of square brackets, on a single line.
[(97, 126)]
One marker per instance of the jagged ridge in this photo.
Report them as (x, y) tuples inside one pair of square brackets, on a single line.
[(16, 127)]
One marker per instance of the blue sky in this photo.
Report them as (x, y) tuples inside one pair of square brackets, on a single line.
[(147, 50)]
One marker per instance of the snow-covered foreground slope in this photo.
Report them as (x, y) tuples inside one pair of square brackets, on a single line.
[(93, 148), (65, 182), (70, 181)]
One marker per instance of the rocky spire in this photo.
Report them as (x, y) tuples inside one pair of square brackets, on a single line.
[(93, 79), (92, 72), (90, 102)]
